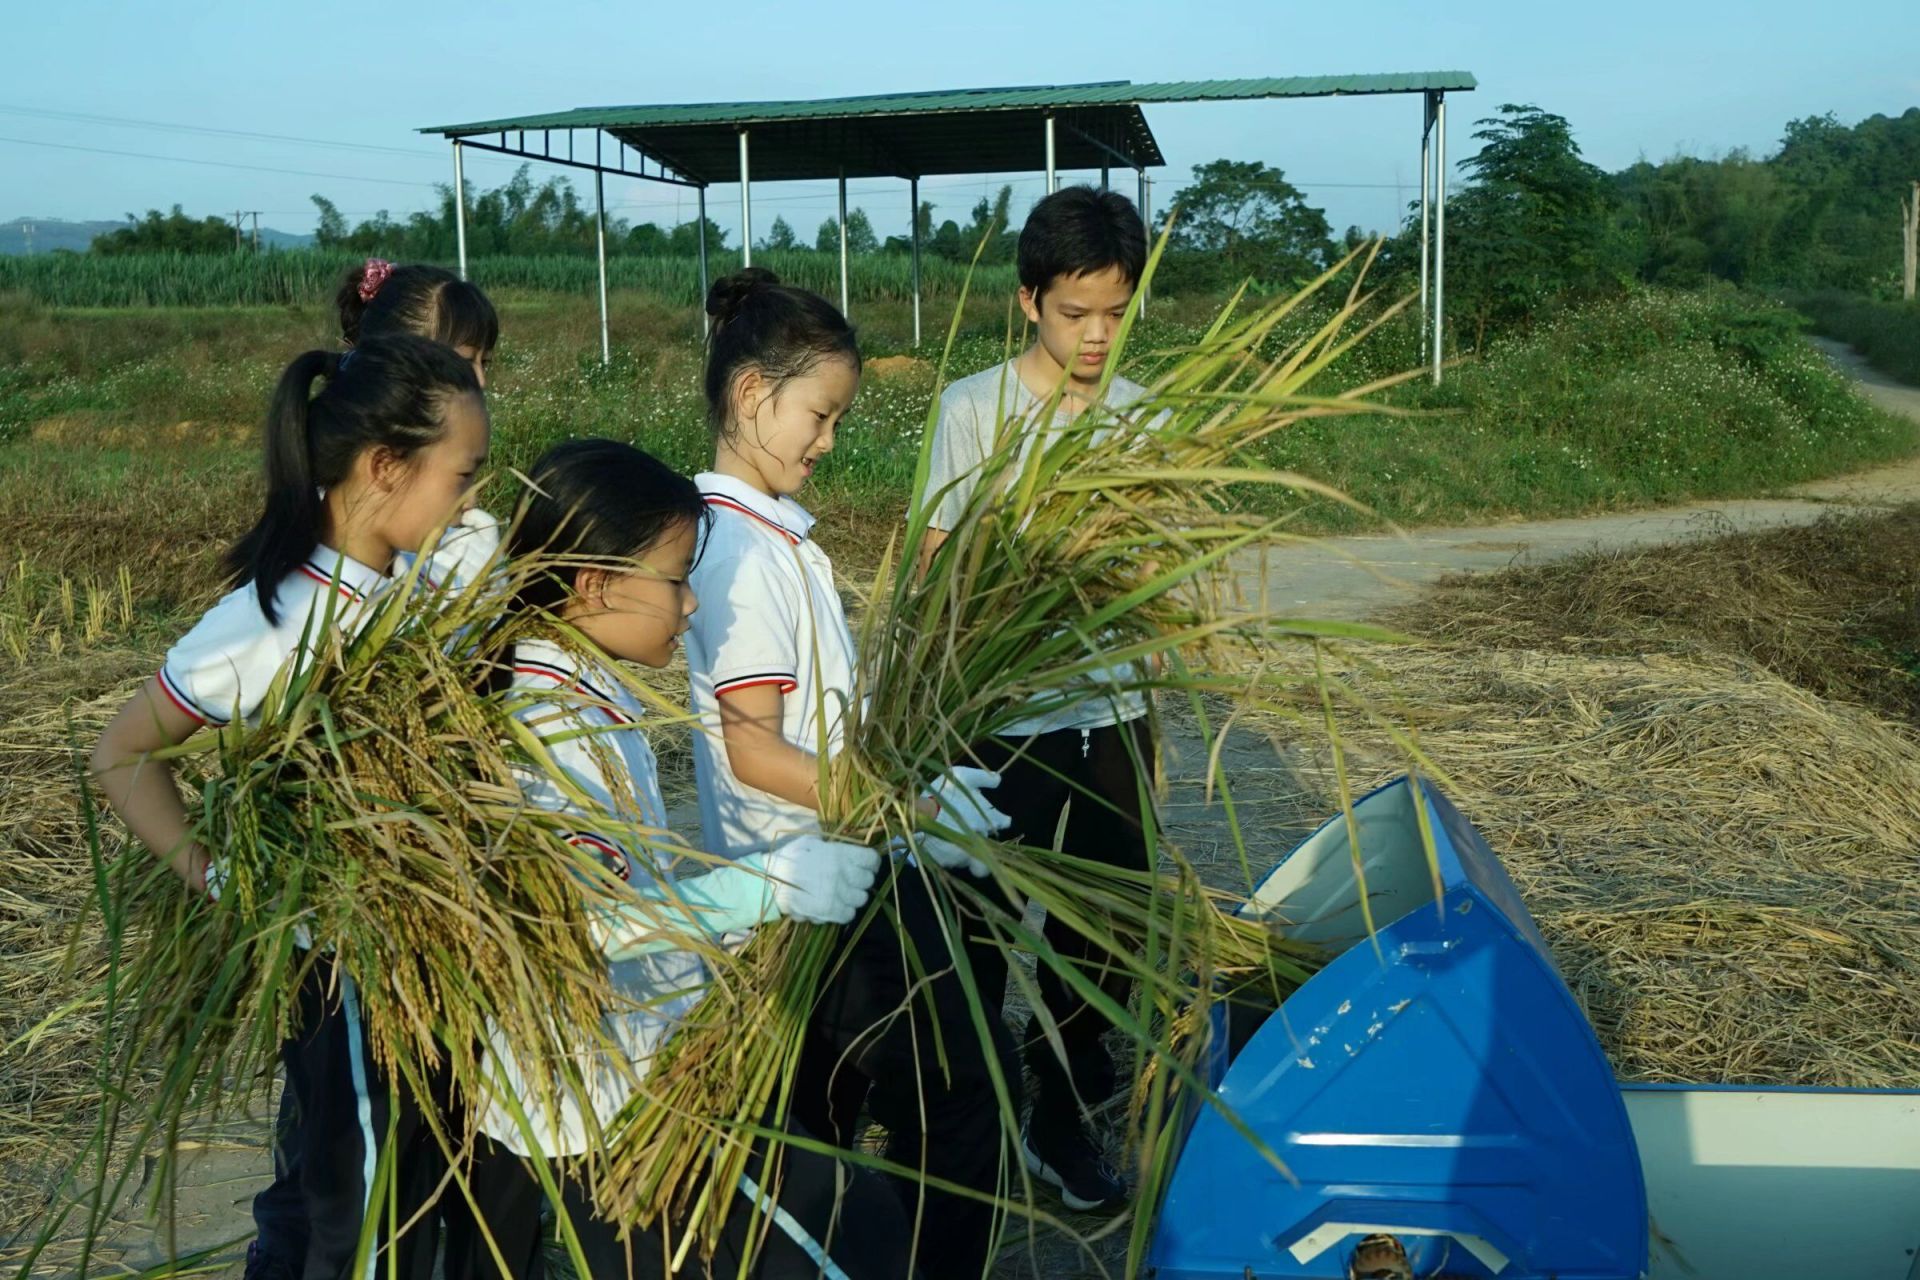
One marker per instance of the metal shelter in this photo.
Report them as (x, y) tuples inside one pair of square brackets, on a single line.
[(913, 135)]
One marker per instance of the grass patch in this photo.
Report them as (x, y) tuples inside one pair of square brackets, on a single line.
[(306, 276), (1661, 397)]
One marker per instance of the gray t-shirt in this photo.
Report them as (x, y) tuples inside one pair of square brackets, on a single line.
[(971, 411)]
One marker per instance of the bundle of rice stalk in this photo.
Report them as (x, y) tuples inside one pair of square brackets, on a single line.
[(372, 835), (1106, 540)]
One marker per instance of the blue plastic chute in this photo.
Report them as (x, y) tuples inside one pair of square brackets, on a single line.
[(1435, 1081)]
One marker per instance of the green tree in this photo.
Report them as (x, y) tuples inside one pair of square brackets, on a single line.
[(860, 237), (1241, 219), (904, 244), (1688, 219), (173, 232), (331, 231), (685, 238), (646, 240), (779, 235), (1534, 223), (992, 223)]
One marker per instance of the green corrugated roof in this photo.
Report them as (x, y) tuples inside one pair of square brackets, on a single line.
[(1023, 98)]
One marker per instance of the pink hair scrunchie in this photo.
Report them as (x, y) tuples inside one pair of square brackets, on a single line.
[(375, 275)]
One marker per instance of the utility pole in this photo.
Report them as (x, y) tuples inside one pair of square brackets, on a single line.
[(1909, 242), (236, 230), (256, 230)]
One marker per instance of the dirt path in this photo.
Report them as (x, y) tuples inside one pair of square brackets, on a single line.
[(1351, 578)]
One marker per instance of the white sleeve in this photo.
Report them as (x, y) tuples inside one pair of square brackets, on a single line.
[(748, 625), (220, 671), (959, 448), (465, 552)]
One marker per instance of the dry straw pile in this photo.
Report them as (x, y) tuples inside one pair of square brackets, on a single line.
[(1699, 765)]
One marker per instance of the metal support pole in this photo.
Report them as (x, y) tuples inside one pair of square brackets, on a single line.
[(1105, 185), (746, 207), (1439, 233), (600, 244), (1053, 179), (843, 240), (1426, 189), (459, 208), (1146, 216), (705, 321), (913, 198)]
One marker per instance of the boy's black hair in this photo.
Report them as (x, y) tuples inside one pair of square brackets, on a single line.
[(1079, 231)]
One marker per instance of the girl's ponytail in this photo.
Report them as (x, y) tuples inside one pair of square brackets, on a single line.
[(389, 392), (289, 524)]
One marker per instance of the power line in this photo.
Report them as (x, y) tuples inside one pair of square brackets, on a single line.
[(129, 122), (218, 164)]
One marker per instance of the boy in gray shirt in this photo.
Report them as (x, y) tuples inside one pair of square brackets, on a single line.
[(1080, 259)]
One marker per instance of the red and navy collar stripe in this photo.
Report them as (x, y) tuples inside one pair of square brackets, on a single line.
[(327, 578), (575, 681), (721, 500)]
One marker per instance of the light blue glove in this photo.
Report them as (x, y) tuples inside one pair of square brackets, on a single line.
[(809, 878)]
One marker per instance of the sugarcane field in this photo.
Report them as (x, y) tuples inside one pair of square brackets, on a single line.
[(1077, 721)]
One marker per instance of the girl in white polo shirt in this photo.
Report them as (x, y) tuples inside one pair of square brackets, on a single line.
[(375, 300), (772, 669), (621, 527), (358, 478)]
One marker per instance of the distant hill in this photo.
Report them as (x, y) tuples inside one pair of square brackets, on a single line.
[(45, 235)]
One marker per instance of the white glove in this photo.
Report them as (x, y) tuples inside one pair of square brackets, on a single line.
[(821, 881), (465, 551), (963, 807)]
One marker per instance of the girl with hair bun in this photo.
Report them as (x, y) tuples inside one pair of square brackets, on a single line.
[(772, 668)]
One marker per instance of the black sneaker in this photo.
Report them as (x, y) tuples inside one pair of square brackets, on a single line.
[(1070, 1162), (262, 1265), (1092, 1071)]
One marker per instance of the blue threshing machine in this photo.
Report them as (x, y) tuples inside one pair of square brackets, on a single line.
[(1442, 1108)]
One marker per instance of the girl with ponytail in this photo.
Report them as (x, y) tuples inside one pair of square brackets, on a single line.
[(359, 475)]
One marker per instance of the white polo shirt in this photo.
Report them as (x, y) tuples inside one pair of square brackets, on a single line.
[(973, 410), (769, 615), (221, 670), (591, 726)]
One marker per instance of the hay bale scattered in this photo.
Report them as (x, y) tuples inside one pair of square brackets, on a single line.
[(49, 1079), (1833, 606)]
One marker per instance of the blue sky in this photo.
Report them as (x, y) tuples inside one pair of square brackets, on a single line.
[(1635, 79)]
